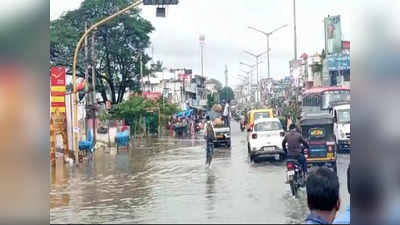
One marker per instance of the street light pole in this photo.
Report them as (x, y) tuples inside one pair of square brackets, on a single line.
[(294, 25), (75, 61), (258, 84), (267, 35)]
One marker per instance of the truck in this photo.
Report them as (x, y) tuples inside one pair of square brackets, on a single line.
[(222, 132), (341, 114)]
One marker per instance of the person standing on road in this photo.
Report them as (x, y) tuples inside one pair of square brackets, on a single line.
[(209, 133), (322, 196), (227, 114), (294, 151)]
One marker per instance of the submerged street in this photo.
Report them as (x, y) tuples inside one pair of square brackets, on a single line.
[(165, 180)]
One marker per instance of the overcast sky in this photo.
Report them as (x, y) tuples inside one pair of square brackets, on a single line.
[(224, 24)]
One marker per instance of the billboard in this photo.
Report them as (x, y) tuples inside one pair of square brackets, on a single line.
[(57, 89), (338, 62), (152, 95), (333, 34)]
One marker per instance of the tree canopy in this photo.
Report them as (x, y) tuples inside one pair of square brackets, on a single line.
[(226, 94), (118, 45)]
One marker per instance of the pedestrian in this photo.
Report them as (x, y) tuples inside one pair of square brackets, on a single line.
[(209, 134), (227, 114), (322, 196), (345, 217)]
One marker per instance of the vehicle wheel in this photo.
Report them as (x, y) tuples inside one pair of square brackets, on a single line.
[(228, 144), (335, 167), (251, 157), (293, 188)]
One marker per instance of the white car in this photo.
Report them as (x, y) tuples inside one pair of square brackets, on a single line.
[(265, 139)]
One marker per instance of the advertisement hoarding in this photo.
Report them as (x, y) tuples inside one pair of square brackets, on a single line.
[(333, 34), (338, 62)]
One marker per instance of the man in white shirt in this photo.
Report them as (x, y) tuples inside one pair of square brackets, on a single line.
[(227, 115)]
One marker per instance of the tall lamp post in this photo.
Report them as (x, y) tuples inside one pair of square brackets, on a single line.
[(257, 56), (202, 43), (250, 74), (267, 35)]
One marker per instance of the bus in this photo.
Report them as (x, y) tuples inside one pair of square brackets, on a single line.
[(322, 99)]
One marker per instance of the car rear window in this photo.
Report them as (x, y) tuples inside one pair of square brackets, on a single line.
[(262, 115), (267, 126)]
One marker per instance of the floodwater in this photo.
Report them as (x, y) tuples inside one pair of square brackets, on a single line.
[(165, 180)]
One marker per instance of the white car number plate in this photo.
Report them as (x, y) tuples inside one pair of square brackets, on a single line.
[(276, 157), (268, 148), (290, 172)]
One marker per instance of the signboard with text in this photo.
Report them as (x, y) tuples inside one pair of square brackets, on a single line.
[(338, 62), (57, 89), (160, 2), (333, 34), (152, 95)]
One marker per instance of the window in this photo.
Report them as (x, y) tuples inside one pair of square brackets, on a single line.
[(267, 126), (262, 115)]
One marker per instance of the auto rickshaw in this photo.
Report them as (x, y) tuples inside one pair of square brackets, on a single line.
[(317, 129), (253, 115)]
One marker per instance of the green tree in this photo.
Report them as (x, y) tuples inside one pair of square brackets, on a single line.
[(211, 100), (226, 94), (137, 108), (119, 43), (217, 83)]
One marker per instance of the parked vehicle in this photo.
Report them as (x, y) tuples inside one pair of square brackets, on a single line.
[(317, 129), (265, 139), (257, 114), (341, 116)]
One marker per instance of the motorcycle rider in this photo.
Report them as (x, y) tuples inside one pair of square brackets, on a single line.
[(294, 150)]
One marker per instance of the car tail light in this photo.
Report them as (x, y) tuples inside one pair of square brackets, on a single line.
[(330, 148), (290, 165), (254, 136)]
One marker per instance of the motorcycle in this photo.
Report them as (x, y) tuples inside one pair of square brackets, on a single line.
[(242, 126), (295, 177), (197, 127)]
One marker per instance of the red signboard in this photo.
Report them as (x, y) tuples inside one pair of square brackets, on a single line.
[(184, 76), (345, 44), (58, 104), (152, 95), (57, 76)]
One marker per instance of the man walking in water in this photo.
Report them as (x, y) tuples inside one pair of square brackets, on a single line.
[(209, 135)]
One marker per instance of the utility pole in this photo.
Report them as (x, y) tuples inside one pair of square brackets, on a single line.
[(86, 79), (258, 81), (226, 76), (202, 43), (295, 52), (267, 35), (141, 72), (94, 88), (294, 26)]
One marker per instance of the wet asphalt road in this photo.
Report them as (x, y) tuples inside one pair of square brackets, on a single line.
[(165, 181)]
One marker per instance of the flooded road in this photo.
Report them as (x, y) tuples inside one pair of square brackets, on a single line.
[(165, 181)]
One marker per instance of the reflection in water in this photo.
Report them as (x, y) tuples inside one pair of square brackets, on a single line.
[(210, 194), (165, 181)]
